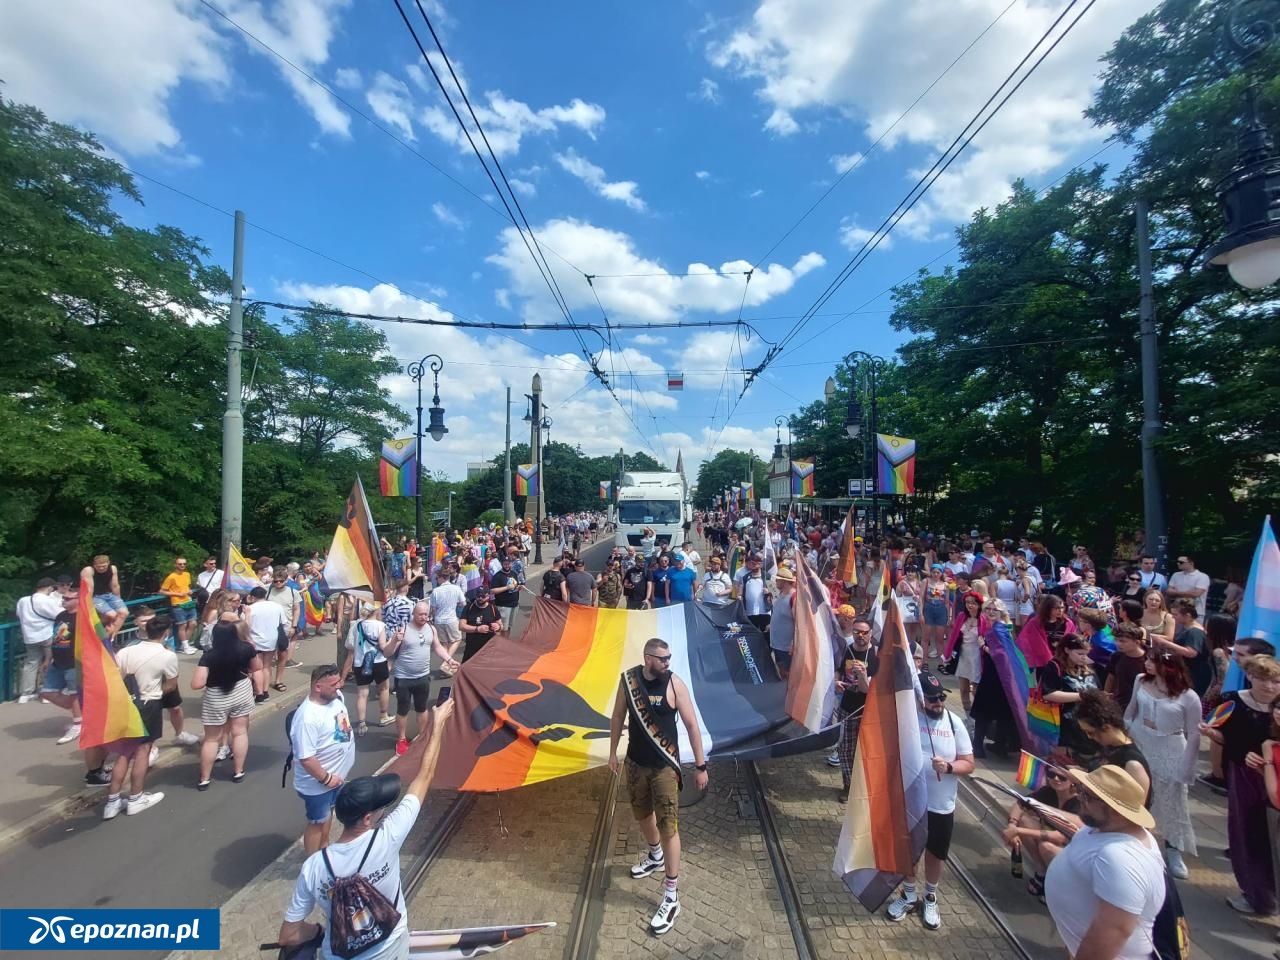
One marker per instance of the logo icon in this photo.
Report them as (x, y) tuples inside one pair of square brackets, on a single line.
[(48, 927)]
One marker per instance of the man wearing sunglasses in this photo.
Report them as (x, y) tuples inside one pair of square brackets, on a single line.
[(650, 696), (854, 671)]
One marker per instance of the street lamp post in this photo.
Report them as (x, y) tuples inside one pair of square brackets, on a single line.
[(859, 360), (436, 428), (449, 516), (777, 450)]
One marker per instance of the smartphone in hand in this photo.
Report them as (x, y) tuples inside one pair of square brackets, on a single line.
[(445, 694)]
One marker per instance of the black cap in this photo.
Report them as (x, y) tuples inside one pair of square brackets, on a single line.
[(63, 580), (45, 582), (931, 686), (365, 795)]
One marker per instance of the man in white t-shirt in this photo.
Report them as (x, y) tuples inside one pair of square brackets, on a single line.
[(375, 840), (749, 586), (445, 600), (154, 668), (691, 556), (1107, 885), (716, 587), (265, 621), (949, 754), (1190, 583), (36, 614), (324, 751)]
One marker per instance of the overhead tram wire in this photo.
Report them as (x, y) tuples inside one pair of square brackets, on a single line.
[(612, 387), (884, 133), (940, 166)]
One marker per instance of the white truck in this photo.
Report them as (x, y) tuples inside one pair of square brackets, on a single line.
[(659, 501)]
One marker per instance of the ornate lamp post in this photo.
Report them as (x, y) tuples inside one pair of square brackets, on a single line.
[(860, 361), (417, 370), (777, 450)]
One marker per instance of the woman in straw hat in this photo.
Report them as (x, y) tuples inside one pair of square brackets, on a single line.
[(1106, 887)]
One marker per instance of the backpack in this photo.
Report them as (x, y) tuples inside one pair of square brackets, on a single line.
[(1170, 933), (551, 581), (360, 916)]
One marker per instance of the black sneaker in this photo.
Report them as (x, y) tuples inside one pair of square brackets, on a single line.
[(98, 778)]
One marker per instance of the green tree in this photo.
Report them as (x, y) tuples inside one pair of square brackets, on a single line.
[(729, 468)]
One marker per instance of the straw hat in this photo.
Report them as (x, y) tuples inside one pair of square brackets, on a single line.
[(1119, 791), (784, 573)]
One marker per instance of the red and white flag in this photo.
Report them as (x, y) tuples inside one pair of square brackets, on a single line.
[(675, 381)]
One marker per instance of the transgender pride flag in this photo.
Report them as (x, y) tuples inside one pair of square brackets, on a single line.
[(1260, 609)]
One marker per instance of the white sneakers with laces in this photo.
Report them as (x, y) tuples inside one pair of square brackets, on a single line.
[(186, 739), (929, 913), (665, 918), (73, 733), (902, 906), (142, 801), (649, 864)]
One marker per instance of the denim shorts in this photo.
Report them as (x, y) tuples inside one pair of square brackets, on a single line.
[(319, 805), (184, 612), (108, 603), (59, 679)]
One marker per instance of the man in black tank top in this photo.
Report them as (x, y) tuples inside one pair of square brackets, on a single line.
[(651, 697)]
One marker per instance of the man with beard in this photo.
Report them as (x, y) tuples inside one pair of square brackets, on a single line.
[(1107, 885), (650, 696), (323, 752), (854, 671), (949, 753)]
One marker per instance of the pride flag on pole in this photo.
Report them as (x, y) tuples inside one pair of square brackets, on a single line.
[(896, 462), (108, 712), (398, 468), (606, 487), (527, 480), (1260, 608), (239, 576), (802, 478), (355, 558), (313, 604), (1031, 771)]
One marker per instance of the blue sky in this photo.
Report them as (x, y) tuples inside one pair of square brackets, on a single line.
[(654, 139)]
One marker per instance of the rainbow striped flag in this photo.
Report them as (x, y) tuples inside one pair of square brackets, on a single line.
[(735, 560), (398, 468), (539, 707), (527, 480), (239, 576), (1031, 771), (749, 491), (109, 714), (606, 487), (1044, 719), (896, 463), (313, 605), (802, 478)]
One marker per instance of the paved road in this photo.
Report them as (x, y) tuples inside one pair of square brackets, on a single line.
[(194, 849)]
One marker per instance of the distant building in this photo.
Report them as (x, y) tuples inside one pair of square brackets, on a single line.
[(478, 468)]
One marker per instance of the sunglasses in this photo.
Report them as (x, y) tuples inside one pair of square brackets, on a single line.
[(935, 699), (1135, 579), (1055, 776), (666, 659), (863, 633)]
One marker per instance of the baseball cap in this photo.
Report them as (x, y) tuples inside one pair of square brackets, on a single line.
[(932, 687), (365, 795), (679, 558), (44, 582)]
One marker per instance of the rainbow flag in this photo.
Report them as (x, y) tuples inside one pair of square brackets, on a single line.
[(1031, 771), (398, 468), (606, 487), (1044, 719), (896, 462), (355, 557), (239, 575), (802, 478), (885, 820), (527, 480), (749, 491), (539, 707), (1016, 679), (108, 712), (313, 605), (735, 560)]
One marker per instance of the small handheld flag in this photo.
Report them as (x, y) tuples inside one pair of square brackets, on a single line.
[(1031, 771), (239, 576), (1220, 714)]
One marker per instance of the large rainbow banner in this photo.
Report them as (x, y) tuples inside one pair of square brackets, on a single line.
[(527, 480), (398, 468), (896, 463), (539, 707), (802, 478), (108, 712)]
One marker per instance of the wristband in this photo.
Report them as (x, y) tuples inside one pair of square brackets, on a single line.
[(328, 778), (700, 767)]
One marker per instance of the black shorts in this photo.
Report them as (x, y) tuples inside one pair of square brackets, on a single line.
[(938, 839), (152, 719), (381, 671), (418, 690), (170, 699)]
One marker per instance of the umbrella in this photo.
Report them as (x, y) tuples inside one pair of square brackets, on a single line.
[(743, 523)]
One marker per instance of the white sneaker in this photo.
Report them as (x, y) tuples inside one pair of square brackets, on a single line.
[(153, 756), (648, 865), (141, 802), (188, 649), (223, 752), (113, 808), (665, 918), (73, 733), (833, 758), (28, 697), (929, 913), (902, 906), (1177, 866), (185, 739)]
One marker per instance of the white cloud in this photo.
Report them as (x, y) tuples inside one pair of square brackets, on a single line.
[(523, 187), (447, 216), (757, 192), (852, 236), (347, 78), (593, 176), (648, 340), (844, 162), (391, 102), (705, 355), (702, 174), (709, 90), (657, 297), (866, 62), (112, 70)]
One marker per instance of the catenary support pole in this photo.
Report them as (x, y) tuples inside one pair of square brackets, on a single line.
[(233, 419), (508, 505), (1152, 491)]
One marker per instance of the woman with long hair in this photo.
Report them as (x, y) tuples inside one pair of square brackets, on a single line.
[(1064, 680), (966, 634), (1028, 836), (1241, 737), (1040, 635), (1163, 718), (1156, 618), (910, 592), (991, 708), (223, 673), (937, 612), (1027, 592)]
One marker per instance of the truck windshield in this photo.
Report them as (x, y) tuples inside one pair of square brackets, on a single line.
[(649, 511)]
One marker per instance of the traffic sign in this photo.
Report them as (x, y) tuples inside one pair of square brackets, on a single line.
[(856, 487)]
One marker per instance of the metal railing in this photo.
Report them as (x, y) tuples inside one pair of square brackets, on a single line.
[(13, 651)]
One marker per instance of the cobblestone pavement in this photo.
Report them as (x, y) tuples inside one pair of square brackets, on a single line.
[(729, 899), (802, 793), (530, 873)]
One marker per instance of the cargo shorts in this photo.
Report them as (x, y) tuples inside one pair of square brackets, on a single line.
[(655, 790)]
